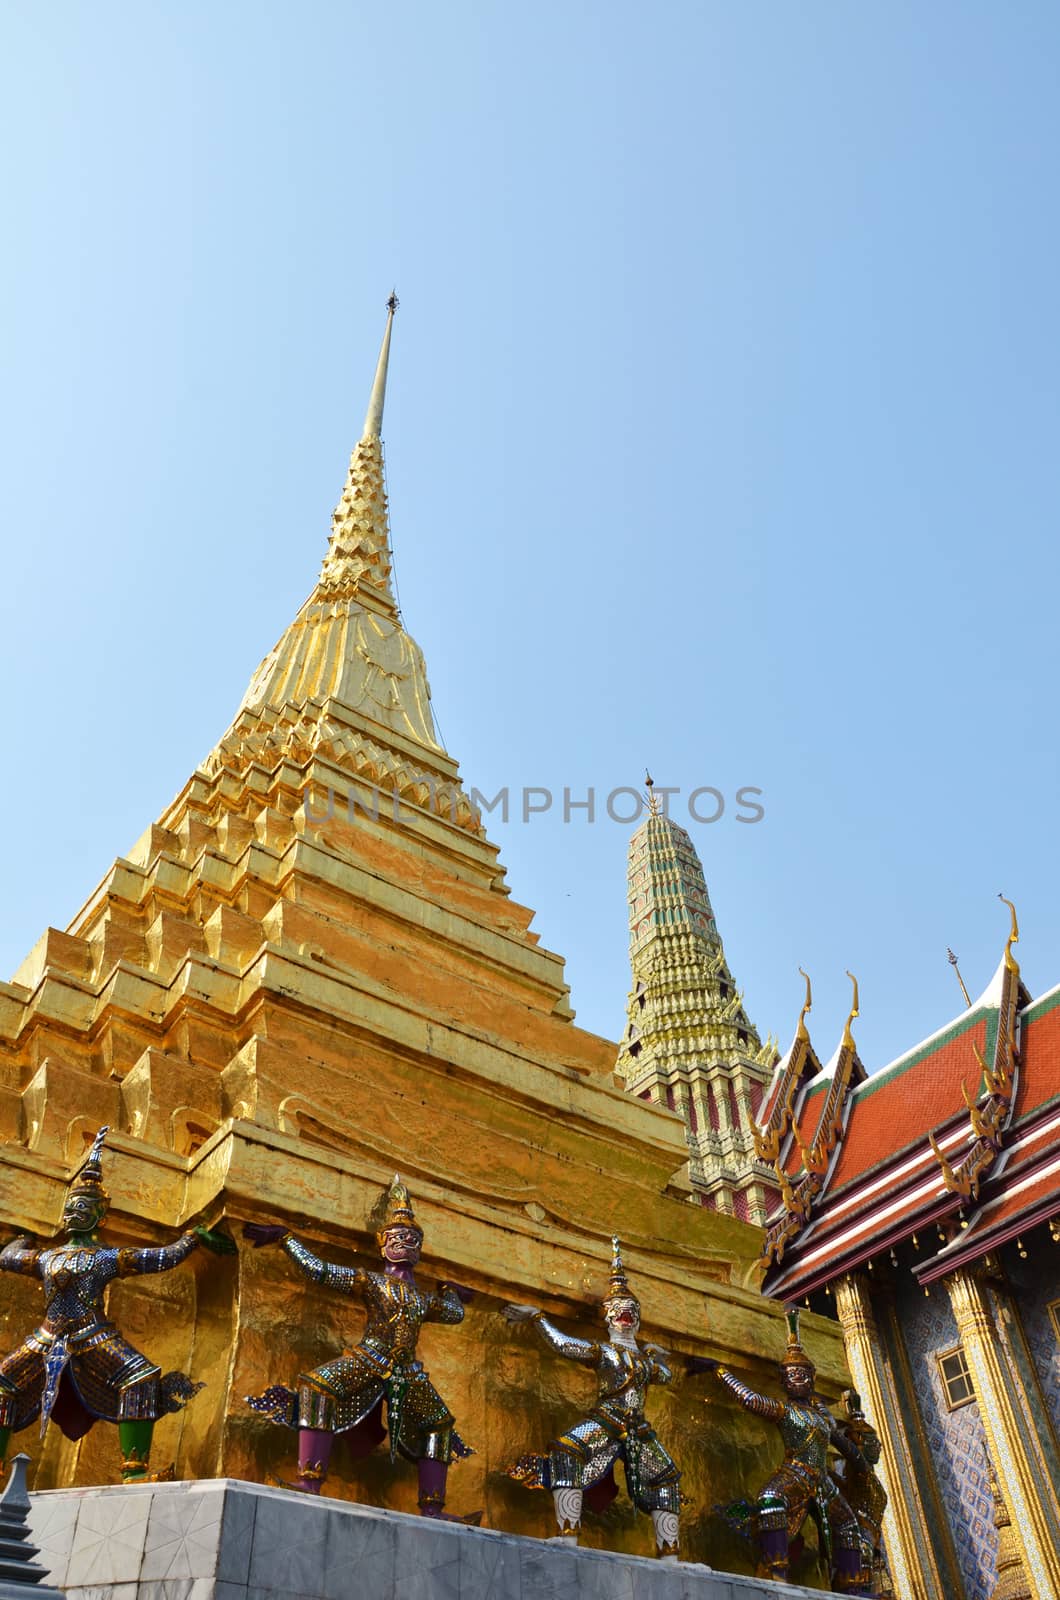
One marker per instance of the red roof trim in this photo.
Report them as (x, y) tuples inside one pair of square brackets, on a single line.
[(982, 1243), (788, 1285)]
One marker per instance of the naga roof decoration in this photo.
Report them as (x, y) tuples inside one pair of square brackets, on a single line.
[(807, 1157), (961, 1134), (795, 1068), (989, 1119)]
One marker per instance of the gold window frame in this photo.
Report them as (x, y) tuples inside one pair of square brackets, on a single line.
[(942, 1356)]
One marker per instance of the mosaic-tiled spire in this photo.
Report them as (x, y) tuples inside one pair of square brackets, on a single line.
[(689, 1042)]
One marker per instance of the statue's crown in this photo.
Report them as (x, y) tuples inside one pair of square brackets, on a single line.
[(795, 1355), (89, 1180), (399, 1212), (618, 1285)]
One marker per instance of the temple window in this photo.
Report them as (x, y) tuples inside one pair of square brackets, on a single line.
[(956, 1379)]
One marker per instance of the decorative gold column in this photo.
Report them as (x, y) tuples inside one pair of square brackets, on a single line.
[(910, 1547), (1012, 1582), (998, 1391)]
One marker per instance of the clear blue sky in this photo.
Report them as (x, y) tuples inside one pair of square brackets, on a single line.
[(722, 437)]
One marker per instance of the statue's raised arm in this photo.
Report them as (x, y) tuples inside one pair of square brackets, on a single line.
[(560, 1343)]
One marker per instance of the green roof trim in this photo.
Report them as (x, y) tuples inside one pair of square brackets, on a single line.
[(1042, 1007), (930, 1047)]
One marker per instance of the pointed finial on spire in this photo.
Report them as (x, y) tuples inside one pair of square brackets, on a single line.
[(952, 959), (373, 422), (652, 797)]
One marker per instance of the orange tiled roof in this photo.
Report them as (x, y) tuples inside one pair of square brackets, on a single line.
[(901, 1105), (1040, 1064), (887, 1181)]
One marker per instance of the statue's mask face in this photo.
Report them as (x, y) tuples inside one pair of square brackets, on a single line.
[(622, 1314), (402, 1245), (797, 1381), (82, 1213)]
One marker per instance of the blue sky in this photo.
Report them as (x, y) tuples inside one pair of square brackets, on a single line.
[(721, 437)]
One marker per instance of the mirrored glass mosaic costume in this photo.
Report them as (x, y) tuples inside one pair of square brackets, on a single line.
[(76, 1369), (345, 1395), (580, 1463), (802, 1485), (866, 1497)]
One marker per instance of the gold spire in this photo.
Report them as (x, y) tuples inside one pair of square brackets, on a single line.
[(345, 675), (358, 557)]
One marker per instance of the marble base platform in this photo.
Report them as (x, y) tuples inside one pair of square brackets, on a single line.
[(225, 1540)]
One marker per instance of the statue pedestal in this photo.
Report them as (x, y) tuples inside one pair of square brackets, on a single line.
[(220, 1539)]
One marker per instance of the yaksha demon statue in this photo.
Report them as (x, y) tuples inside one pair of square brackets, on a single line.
[(802, 1485), (345, 1395), (865, 1495), (580, 1463), (76, 1369)]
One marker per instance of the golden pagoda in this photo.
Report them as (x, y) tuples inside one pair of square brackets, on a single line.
[(306, 975)]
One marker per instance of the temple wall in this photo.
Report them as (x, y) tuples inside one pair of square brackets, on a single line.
[(1035, 1286), (955, 1439)]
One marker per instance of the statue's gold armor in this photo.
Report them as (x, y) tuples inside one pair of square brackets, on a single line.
[(341, 1393)]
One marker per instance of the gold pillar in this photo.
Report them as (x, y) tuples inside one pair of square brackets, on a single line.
[(1009, 1433), (1012, 1583), (910, 1547)]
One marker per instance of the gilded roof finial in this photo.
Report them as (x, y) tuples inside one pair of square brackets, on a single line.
[(952, 959), (373, 422), (848, 1037), (802, 1031), (652, 798), (1013, 938)]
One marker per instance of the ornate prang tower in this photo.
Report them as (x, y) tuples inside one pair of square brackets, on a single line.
[(689, 1043)]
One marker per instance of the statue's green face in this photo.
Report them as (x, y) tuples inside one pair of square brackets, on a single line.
[(82, 1213)]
